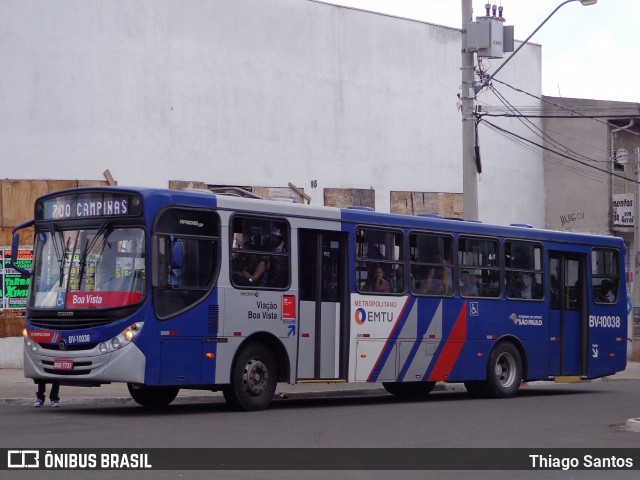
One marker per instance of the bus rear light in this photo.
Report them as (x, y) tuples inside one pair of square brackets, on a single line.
[(237, 334)]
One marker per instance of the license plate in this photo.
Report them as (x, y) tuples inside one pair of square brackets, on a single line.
[(63, 364)]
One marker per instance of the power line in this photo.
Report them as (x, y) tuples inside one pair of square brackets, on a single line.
[(560, 154)]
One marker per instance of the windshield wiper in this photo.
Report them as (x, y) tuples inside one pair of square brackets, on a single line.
[(60, 256), (103, 231)]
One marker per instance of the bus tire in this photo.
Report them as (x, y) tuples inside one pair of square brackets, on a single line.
[(254, 378), (504, 371), (152, 397), (409, 389)]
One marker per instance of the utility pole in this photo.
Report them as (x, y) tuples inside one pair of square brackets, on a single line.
[(467, 99), (469, 91)]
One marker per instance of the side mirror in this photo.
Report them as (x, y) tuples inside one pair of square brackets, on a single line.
[(15, 244)]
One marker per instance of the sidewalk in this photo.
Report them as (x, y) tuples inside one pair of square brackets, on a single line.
[(17, 390)]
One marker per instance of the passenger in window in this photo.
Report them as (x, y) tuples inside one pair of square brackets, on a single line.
[(520, 285), (279, 264), (376, 281), (250, 270), (468, 287), (606, 293), (277, 240), (438, 281)]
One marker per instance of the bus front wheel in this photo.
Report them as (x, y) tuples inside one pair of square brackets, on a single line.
[(153, 397), (253, 379), (504, 371)]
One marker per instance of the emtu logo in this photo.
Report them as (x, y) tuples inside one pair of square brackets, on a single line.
[(361, 316)]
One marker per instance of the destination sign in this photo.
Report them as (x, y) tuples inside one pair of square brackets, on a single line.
[(89, 205)]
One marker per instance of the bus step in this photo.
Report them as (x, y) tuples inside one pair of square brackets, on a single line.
[(568, 379)]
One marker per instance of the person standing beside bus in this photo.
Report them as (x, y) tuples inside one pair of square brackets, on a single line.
[(53, 394)]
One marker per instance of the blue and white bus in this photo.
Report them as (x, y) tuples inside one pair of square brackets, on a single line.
[(168, 290)]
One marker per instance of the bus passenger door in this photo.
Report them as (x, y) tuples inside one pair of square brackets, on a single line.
[(322, 274), (567, 314)]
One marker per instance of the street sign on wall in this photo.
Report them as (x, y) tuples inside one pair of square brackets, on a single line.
[(623, 209)]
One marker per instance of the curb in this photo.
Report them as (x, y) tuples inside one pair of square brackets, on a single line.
[(186, 399), (632, 425)]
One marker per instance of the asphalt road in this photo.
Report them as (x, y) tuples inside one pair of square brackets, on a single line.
[(586, 415)]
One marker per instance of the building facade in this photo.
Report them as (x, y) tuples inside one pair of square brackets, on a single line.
[(262, 93), (592, 158)]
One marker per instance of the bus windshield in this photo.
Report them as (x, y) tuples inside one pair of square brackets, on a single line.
[(101, 267)]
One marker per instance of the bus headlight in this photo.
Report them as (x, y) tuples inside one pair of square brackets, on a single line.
[(28, 342), (122, 339)]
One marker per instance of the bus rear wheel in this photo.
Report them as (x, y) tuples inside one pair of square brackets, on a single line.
[(504, 371), (409, 389), (253, 379), (153, 397)]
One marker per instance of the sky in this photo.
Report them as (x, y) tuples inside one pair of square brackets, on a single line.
[(589, 52)]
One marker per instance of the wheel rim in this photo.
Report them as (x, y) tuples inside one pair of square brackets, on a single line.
[(505, 370), (255, 377)]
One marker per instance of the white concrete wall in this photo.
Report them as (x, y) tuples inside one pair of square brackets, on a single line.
[(578, 195), (252, 92), (11, 352)]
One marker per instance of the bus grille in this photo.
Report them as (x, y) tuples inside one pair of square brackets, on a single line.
[(68, 348), (69, 323), (79, 368)]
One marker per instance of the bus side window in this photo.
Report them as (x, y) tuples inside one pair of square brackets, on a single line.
[(259, 253), (379, 261), (605, 278), (478, 266), (431, 264), (184, 259), (523, 270)]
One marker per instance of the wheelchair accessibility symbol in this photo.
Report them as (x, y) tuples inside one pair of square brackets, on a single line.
[(473, 309), (60, 300)]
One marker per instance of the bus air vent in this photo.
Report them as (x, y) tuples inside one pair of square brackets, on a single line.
[(214, 318)]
